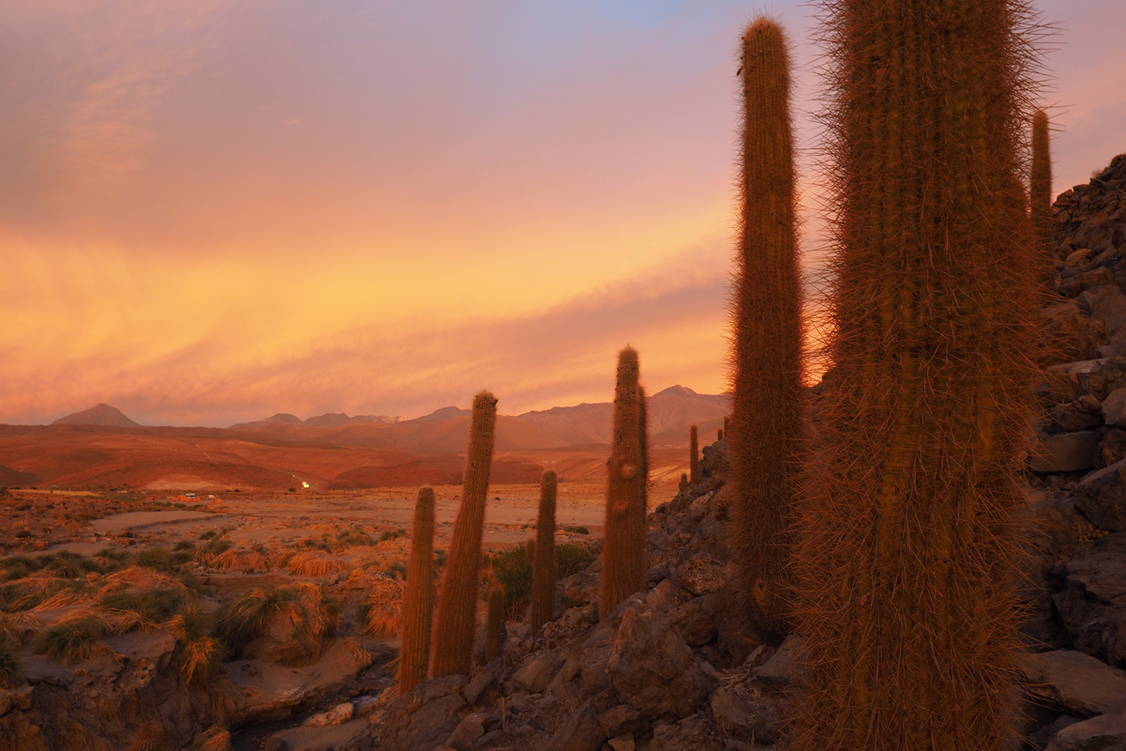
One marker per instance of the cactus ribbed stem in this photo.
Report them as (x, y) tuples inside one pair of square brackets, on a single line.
[(457, 603), (418, 601), (623, 559), (909, 540), (767, 442), (543, 563)]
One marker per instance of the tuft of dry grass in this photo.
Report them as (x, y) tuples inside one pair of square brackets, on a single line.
[(11, 671), (18, 628), (298, 616), (382, 613), (240, 560), (313, 564)]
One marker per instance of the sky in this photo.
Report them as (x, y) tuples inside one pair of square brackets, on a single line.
[(215, 210)]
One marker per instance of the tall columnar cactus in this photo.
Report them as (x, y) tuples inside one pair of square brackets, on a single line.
[(908, 543), (457, 602), (418, 600), (543, 564), (494, 624), (694, 454), (1040, 185), (767, 440), (623, 558)]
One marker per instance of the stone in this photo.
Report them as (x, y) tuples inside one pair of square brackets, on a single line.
[(1078, 367), (538, 672), (1092, 603), (1101, 496), (1107, 304), (1065, 452), (701, 573), (1114, 407), (695, 621), (1073, 681), (1103, 733), (622, 743), (338, 714), (580, 731), (621, 719), (471, 727), (780, 668), (1084, 413), (652, 669), (424, 716), (480, 681), (695, 733), (1113, 446), (744, 714)]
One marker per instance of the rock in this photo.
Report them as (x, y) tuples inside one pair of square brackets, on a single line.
[(1078, 367), (480, 681), (779, 669), (621, 720), (744, 714), (1106, 304), (579, 732), (1065, 452), (622, 743), (1114, 407), (1103, 733), (1073, 681), (701, 573), (1092, 602), (1084, 413), (338, 714), (695, 620), (348, 735), (1101, 496), (1042, 736), (538, 672), (471, 727), (365, 705), (652, 668), (424, 716), (696, 733), (1113, 446)]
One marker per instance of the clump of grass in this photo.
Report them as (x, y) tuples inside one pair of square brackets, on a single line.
[(241, 560), (183, 545), (155, 605), (397, 570), (199, 653), (72, 641), (315, 564), (18, 628), (11, 671), (577, 530), (39, 592), (380, 615), (302, 609), (392, 534), (352, 537)]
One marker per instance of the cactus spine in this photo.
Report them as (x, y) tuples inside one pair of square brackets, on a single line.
[(418, 600), (543, 563), (908, 541), (693, 454), (457, 602), (1040, 185), (623, 559), (494, 624), (767, 439)]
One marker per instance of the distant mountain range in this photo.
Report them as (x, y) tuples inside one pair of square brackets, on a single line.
[(101, 414), (671, 412)]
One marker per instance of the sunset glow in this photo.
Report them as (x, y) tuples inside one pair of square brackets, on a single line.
[(215, 210)]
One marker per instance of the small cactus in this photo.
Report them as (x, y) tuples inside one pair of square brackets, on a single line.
[(455, 626), (542, 554), (418, 601), (693, 454), (1040, 185), (494, 625)]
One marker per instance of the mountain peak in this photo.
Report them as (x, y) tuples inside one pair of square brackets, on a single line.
[(676, 390), (99, 414)]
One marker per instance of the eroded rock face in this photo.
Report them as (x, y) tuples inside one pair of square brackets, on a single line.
[(1075, 682), (1092, 603), (1101, 496), (425, 716)]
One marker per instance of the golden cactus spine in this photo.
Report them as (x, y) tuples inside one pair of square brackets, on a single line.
[(908, 542), (494, 624), (543, 552), (457, 602), (1040, 185), (767, 440), (623, 560), (693, 454), (418, 600)]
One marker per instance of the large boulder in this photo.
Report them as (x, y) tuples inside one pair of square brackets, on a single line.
[(651, 667), (1065, 452), (424, 716), (1092, 603)]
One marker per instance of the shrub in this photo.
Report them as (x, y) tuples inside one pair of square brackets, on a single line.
[(571, 558), (392, 534), (513, 572), (244, 619), (397, 570), (381, 614), (73, 641), (315, 564), (577, 530)]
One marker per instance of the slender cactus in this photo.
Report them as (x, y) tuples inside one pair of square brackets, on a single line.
[(694, 454), (494, 625), (418, 601), (1040, 185), (767, 441), (623, 560), (908, 550), (457, 602), (543, 564)]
